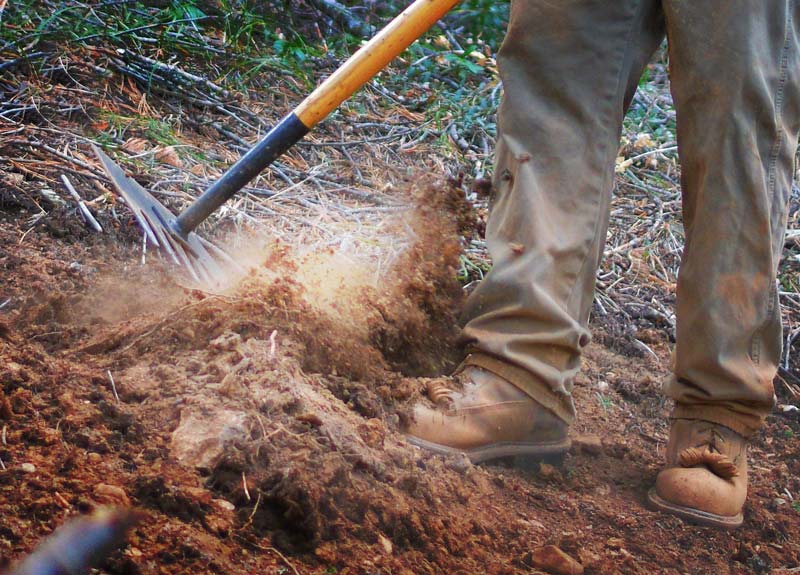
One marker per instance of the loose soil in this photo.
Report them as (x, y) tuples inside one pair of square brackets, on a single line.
[(257, 429)]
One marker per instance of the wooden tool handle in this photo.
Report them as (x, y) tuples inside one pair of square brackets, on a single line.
[(371, 58)]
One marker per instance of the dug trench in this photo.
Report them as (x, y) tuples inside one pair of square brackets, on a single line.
[(258, 428)]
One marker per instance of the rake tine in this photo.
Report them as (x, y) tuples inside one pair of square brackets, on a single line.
[(202, 260), (207, 276), (128, 188), (186, 252), (205, 259), (145, 225), (185, 258), (220, 253), (164, 242)]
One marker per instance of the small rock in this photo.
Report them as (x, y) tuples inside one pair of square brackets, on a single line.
[(224, 504), (386, 544), (94, 457), (312, 419), (590, 444), (777, 502), (111, 495), (459, 463), (555, 561), (200, 439), (615, 543), (6, 412), (549, 472), (28, 468)]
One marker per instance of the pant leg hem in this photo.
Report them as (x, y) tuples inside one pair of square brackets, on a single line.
[(744, 425), (561, 405)]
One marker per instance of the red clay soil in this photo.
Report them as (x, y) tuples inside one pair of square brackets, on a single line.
[(258, 430)]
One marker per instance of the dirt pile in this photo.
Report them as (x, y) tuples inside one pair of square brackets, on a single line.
[(258, 428)]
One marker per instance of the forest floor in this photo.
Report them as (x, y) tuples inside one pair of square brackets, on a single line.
[(256, 427)]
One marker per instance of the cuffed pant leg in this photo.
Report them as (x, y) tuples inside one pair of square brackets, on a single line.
[(736, 84), (569, 68)]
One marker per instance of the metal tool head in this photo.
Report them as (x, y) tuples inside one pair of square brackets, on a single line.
[(204, 262)]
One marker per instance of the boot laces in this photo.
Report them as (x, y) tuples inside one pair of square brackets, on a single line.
[(439, 393), (709, 452)]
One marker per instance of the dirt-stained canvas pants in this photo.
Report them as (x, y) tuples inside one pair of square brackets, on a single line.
[(569, 70)]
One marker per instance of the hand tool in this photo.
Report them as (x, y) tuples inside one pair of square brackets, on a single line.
[(175, 234)]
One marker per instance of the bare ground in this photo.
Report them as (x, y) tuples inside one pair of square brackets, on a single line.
[(258, 428)]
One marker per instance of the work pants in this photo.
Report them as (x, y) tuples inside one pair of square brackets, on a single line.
[(569, 70)]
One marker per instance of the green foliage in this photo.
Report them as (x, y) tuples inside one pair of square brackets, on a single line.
[(450, 70), (471, 270), (481, 19), (605, 402)]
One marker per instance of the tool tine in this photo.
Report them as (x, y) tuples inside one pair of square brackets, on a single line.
[(135, 195), (216, 273), (205, 275), (163, 240), (203, 261), (221, 254), (186, 259), (141, 218)]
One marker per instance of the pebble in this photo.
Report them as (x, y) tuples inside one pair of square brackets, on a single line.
[(224, 504), (615, 543), (547, 471), (589, 443), (28, 468), (111, 495), (386, 544), (459, 463), (555, 561)]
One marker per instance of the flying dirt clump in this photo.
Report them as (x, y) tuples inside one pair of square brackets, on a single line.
[(417, 310), (406, 310)]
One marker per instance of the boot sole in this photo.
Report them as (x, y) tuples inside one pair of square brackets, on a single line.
[(520, 452), (694, 515)]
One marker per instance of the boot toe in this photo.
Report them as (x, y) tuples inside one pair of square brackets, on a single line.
[(696, 493), (439, 431)]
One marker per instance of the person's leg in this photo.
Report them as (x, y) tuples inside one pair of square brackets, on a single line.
[(735, 78), (569, 69)]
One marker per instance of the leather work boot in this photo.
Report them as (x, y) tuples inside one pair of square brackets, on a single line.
[(488, 418), (705, 480)]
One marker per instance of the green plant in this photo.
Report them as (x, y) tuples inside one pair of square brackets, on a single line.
[(605, 402)]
